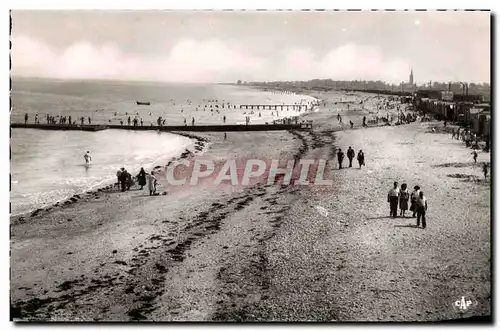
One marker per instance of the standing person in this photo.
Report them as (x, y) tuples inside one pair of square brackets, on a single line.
[(192, 122), (36, 118), (361, 158), (352, 124), (26, 118), (224, 119), (141, 178), (393, 199), (350, 155), (340, 157), (87, 158), (414, 197), (404, 196), (421, 209), (225, 135), (485, 170), (118, 176), (90, 121), (128, 120), (69, 120), (129, 181), (123, 179), (474, 153), (151, 183), (364, 121)]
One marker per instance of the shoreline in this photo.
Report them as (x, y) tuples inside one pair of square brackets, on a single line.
[(268, 252), (200, 145)]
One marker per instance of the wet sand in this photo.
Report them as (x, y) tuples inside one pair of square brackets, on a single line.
[(268, 252)]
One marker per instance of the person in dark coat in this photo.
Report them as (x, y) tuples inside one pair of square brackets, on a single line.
[(414, 196), (340, 157), (141, 178), (350, 155), (361, 158), (364, 120)]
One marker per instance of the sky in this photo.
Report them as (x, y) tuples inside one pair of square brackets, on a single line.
[(225, 46)]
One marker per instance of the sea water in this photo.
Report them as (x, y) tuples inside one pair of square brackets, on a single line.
[(48, 166)]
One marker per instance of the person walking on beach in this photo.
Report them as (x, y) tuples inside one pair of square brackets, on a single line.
[(421, 209), (123, 179), (404, 196), (414, 197), (474, 156), (90, 121), (225, 135), (151, 183), (485, 170), (141, 178), (393, 199), (36, 118), (352, 124), (26, 118), (350, 155), (87, 158), (118, 176), (340, 157), (364, 121), (192, 122), (361, 158)]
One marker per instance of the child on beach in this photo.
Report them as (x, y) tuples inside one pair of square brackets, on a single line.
[(485, 170), (404, 196), (421, 209), (474, 153), (151, 183)]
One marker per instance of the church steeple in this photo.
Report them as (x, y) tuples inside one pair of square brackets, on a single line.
[(411, 77)]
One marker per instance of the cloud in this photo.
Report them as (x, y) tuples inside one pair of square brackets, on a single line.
[(201, 61)]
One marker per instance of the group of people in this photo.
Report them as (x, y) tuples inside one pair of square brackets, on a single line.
[(57, 119), (401, 196), (125, 180), (471, 140), (350, 155)]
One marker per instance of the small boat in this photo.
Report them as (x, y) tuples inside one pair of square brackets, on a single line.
[(143, 103)]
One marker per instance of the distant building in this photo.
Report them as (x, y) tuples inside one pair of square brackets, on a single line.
[(410, 86)]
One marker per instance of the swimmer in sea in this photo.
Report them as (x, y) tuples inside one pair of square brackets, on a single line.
[(87, 158)]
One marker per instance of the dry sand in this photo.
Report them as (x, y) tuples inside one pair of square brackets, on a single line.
[(270, 252)]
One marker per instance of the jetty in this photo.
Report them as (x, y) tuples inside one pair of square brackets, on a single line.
[(61, 127), (193, 128), (276, 107)]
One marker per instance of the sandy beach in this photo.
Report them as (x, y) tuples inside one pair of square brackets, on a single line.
[(271, 252)]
